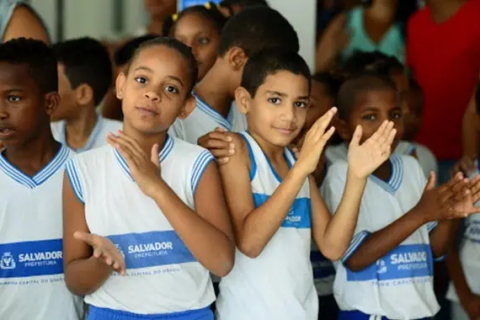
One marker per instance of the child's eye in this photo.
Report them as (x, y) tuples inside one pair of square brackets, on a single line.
[(171, 89), (203, 41), (369, 117), (274, 100), (397, 115), (141, 80), (300, 104), (14, 98)]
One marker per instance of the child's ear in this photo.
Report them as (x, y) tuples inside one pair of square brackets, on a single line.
[(52, 101), (190, 105), (242, 99), (120, 85), (84, 94), (236, 58), (342, 129)]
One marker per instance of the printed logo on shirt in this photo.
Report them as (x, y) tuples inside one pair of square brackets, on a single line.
[(33, 258), (299, 215), (402, 265), (158, 248)]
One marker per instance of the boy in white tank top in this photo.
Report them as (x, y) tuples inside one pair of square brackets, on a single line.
[(31, 176), (85, 75), (274, 201), (145, 217), (387, 271)]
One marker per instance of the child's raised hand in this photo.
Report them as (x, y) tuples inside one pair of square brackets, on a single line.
[(452, 200), (364, 159), (104, 250), (314, 142), (145, 170), (219, 143)]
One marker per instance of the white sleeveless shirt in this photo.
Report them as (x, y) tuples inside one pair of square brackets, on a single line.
[(278, 284), (162, 275), (32, 284)]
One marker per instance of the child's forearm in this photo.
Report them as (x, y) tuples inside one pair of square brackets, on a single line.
[(379, 243), (458, 276), (210, 246), (441, 238), (261, 224), (84, 276), (339, 232)]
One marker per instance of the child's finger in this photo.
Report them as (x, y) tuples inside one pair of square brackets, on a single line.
[(216, 135), (222, 153), (97, 253), (129, 158), (154, 155), (220, 129), (357, 136), (380, 131), (85, 237), (131, 142), (126, 145), (322, 123)]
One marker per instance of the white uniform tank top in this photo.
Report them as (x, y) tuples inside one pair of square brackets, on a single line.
[(278, 284), (400, 284), (163, 277), (32, 284)]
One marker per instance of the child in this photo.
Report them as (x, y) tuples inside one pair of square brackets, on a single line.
[(245, 34), (390, 67), (112, 107), (387, 270), (199, 27), (85, 75), (275, 207), (156, 217), (31, 170)]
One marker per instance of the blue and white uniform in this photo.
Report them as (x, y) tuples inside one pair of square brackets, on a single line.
[(163, 277), (425, 157), (205, 119), (470, 260), (278, 284), (400, 284), (98, 137), (32, 285)]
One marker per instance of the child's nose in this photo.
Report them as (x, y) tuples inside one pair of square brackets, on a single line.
[(152, 96)]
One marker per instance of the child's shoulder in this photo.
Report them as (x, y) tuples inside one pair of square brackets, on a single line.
[(93, 154), (185, 153)]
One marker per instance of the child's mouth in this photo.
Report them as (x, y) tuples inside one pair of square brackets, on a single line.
[(147, 111), (6, 132)]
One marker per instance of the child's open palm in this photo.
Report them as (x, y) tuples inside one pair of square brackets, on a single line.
[(314, 142), (145, 170), (364, 159), (104, 250)]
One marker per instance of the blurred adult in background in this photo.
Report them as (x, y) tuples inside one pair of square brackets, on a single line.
[(18, 19), (444, 55), (375, 25), (158, 10)]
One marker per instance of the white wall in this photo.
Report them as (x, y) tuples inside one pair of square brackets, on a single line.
[(302, 15), (95, 18)]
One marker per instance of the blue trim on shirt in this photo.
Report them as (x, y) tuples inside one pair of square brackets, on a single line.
[(166, 150), (212, 113), (354, 245), (43, 175), (396, 178), (199, 167), (73, 175), (253, 163), (96, 313)]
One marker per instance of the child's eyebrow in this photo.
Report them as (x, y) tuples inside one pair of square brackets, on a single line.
[(304, 98), (144, 69), (276, 93), (176, 79)]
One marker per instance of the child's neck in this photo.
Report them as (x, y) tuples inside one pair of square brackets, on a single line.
[(382, 11), (212, 90), (155, 26), (275, 154), (442, 10), (384, 172), (33, 156), (78, 131), (146, 141)]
